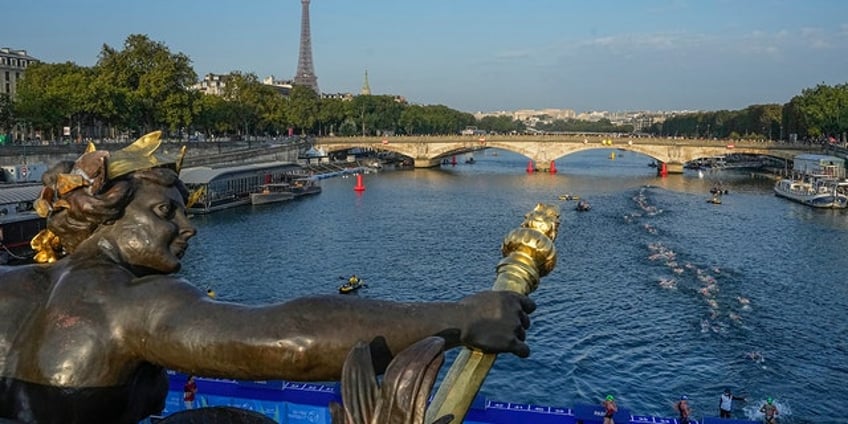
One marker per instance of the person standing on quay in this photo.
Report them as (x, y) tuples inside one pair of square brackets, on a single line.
[(189, 392), (725, 403), (683, 409)]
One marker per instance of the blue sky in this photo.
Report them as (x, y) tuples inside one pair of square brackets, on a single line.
[(479, 55)]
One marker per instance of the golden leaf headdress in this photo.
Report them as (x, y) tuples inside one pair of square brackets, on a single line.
[(92, 171)]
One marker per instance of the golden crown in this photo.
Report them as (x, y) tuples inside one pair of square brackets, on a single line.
[(142, 154)]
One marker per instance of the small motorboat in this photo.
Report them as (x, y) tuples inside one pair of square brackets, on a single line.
[(568, 196), (716, 200), (272, 193), (582, 206), (352, 284)]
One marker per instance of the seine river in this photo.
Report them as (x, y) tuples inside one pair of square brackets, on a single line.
[(656, 292)]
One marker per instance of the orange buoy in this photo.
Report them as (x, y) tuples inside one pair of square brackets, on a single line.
[(553, 169), (359, 186), (530, 167)]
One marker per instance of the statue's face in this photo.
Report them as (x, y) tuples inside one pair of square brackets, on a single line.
[(153, 234)]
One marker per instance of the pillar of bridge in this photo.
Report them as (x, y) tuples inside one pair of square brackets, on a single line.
[(427, 163), (674, 168)]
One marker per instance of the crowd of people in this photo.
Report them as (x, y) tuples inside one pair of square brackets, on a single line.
[(684, 410)]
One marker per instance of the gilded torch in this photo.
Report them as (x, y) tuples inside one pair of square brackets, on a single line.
[(528, 255)]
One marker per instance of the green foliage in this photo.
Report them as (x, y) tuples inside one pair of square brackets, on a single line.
[(7, 113), (303, 108), (433, 119), (151, 81), (816, 112), (333, 114), (756, 121), (500, 124), (54, 95)]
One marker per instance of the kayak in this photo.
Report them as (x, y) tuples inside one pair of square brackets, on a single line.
[(349, 287)]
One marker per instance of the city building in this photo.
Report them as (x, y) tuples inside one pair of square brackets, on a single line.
[(13, 65), (212, 84), (282, 87)]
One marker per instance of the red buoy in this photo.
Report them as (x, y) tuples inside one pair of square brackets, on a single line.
[(553, 170), (453, 161), (359, 186), (530, 167), (663, 170)]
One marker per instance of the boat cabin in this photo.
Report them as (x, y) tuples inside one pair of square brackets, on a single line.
[(819, 165)]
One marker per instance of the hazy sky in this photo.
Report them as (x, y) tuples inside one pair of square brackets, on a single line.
[(479, 55)]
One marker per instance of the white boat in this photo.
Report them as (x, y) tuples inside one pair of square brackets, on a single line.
[(814, 191), (272, 193)]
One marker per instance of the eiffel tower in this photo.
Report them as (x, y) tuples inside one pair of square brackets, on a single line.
[(305, 72)]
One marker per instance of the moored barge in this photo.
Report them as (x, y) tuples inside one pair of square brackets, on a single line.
[(18, 222), (220, 188)]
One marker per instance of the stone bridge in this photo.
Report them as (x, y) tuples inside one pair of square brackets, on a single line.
[(543, 150)]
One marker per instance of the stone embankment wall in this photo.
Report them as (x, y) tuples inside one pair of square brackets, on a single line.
[(197, 154)]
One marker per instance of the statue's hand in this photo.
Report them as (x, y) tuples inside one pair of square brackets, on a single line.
[(496, 322)]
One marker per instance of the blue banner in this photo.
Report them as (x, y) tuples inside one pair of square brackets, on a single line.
[(595, 414), (714, 420)]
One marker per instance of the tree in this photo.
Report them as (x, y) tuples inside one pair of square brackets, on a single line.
[(500, 124), (332, 113), (7, 114), (413, 120), (258, 107), (54, 95), (214, 115), (303, 109), (153, 79), (818, 111)]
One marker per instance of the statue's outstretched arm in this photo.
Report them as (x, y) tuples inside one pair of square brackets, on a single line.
[(309, 338)]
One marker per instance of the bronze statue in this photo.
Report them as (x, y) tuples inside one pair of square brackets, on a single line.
[(401, 397), (87, 336)]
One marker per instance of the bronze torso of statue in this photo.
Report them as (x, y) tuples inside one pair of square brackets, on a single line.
[(86, 337)]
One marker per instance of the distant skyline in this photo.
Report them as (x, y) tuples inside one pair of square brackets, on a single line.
[(479, 55)]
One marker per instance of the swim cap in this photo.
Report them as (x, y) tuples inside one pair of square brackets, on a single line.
[(609, 397), (769, 400), (684, 397)]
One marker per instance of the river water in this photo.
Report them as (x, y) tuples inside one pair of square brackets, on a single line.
[(656, 292)]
